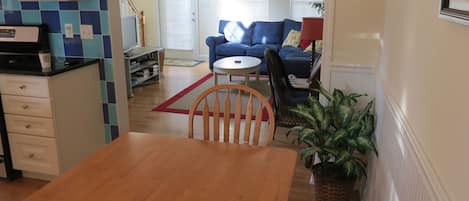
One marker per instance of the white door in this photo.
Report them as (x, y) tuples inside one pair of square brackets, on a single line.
[(178, 22)]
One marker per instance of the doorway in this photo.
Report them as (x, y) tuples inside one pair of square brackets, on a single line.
[(178, 28)]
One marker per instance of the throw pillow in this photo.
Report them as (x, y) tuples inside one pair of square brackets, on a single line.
[(309, 48), (236, 32), (293, 39), (304, 44)]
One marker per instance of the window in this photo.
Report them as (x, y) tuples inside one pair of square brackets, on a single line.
[(177, 25), (243, 10), (303, 8)]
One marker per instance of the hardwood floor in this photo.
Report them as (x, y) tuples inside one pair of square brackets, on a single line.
[(142, 119), (20, 189)]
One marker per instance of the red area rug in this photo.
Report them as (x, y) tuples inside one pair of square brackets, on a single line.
[(182, 101)]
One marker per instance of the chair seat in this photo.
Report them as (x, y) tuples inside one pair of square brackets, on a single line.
[(290, 120)]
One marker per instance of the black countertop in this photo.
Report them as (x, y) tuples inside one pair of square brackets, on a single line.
[(59, 65)]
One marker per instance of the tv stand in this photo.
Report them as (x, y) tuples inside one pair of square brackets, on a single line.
[(143, 66)]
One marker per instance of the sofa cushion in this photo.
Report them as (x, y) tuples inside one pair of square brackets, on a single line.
[(300, 56), (288, 25), (293, 39), (267, 33), (231, 49), (235, 31), (259, 49), (289, 50)]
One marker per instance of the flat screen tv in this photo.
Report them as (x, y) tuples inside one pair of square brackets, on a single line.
[(130, 36)]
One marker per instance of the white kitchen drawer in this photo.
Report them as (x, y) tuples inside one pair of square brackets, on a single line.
[(24, 85), (30, 125), (30, 106), (34, 154)]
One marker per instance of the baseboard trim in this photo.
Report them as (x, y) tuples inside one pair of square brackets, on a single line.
[(39, 176), (354, 66), (433, 182)]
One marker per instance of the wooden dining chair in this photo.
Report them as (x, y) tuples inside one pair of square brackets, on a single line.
[(255, 106)]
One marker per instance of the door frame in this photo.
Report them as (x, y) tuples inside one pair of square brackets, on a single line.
[(122, 104), (195, 29), (328, 35)]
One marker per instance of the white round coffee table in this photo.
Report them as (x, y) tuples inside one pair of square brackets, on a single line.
[(237, 65)]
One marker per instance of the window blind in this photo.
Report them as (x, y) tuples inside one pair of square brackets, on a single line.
[(177, 28)]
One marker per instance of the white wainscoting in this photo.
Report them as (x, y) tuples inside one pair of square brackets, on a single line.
[(402, 171), (351, 78)]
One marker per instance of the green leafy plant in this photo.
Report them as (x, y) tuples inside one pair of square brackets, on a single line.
[(319, 6), (338, 133)]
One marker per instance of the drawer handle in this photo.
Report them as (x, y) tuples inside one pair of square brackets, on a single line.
[(23, 87), (28, 126), (25, 107), (31, 156)]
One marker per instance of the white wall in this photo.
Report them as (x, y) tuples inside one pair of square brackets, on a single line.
[(279, 9), (354, 40), (351, 44), (422, 88), (119, 69), (399, 173), (151, 18), (358, 27), (425, 66)]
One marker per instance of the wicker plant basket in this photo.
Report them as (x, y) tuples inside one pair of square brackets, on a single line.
[(330, 189)]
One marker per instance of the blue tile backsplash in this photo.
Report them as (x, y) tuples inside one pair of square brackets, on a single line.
[(56, 14), (68, 5), (30, 5), (52, 19)]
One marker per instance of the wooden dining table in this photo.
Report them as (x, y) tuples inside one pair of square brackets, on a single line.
[(155, 167)]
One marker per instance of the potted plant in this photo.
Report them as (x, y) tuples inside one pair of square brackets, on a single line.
[(318, 6), (340, 136)]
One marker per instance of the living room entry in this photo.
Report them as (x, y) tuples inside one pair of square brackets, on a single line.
[(177, 28)]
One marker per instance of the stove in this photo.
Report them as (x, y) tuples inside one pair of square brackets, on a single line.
[(22, 46)]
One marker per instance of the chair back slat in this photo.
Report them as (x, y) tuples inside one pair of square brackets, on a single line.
[(247, 123), (206, 116), (262, 105), (238, 111), (216, 118), (226, 116), (257, 127)]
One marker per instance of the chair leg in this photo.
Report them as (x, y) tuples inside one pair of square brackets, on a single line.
[(275, 129)]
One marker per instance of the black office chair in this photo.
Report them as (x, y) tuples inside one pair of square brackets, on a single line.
[(285, 96)]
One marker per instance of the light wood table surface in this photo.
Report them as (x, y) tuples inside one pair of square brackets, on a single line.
[(145, 167)]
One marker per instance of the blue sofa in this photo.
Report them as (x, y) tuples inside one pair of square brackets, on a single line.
[(237, 39)]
